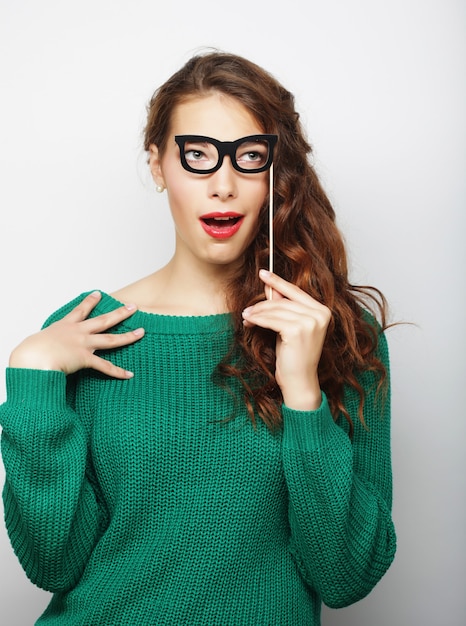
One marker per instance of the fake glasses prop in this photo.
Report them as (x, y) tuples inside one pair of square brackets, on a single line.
[(248, 155), (204, 155)]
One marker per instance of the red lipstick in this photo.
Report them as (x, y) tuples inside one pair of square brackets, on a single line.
[(221, 225)]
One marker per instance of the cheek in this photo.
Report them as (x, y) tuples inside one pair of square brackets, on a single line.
[(179, 189), (185, 192), (259, 194)]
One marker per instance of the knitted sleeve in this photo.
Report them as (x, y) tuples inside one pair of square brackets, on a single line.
[(340, 494), (51, 510)]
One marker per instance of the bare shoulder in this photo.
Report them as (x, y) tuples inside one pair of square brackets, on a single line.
[(140, 293)]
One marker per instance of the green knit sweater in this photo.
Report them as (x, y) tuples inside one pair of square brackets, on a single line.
[(138, 503)]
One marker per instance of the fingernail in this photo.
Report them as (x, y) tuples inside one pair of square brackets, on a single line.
[(138, 332), (247, 311), (129, 374), (264, 273), (95, 294), (130, 307)]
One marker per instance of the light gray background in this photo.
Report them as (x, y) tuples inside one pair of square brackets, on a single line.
[(380, 86)]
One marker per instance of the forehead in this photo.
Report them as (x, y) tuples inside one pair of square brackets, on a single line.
[(215, 115)]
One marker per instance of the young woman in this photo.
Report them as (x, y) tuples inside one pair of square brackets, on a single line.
[(210, 445)]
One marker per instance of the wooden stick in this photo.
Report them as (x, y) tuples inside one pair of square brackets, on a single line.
[(270, 290)]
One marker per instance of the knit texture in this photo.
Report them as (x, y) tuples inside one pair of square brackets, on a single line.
[(155, 501)]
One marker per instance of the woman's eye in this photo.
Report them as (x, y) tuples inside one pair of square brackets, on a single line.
[(194, 155), (253, 156)]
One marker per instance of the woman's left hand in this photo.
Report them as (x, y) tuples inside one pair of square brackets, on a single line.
[(301, 324)]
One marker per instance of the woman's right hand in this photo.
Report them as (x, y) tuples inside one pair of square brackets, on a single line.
[(69, 344)]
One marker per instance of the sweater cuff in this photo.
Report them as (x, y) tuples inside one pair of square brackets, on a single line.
[(36, 389), (307, 430)]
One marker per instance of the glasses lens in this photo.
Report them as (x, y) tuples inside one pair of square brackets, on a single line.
[(252, 155), (200, 155)]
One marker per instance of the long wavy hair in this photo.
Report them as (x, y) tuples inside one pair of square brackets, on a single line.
[(309, 249)]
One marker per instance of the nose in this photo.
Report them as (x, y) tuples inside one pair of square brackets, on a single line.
[(223, 182)]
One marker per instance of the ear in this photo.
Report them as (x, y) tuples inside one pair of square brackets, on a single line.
[(156, 165)]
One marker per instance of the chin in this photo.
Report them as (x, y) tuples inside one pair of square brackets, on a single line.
[(226, 260)]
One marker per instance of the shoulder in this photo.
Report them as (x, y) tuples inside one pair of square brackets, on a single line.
[(129, 293), (142, 293), (375, 328), (106, 304)]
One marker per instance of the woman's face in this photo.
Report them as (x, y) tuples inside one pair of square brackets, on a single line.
[(215, 214)]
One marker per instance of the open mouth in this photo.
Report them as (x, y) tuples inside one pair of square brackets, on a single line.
[(221, 222), (221, 226)]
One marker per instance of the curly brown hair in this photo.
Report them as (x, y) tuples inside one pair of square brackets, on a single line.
[(309, 248)]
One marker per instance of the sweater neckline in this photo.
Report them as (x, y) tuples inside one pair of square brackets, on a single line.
[(168, 324)]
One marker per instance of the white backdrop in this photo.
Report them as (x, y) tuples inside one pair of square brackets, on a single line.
[(380, 86)]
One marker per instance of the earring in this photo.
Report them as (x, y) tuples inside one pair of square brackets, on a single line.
[(159, 188)]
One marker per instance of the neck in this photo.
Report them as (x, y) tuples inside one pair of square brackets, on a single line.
[(189, 289)]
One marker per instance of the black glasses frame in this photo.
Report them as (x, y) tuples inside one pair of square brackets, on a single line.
[(226, 148)]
